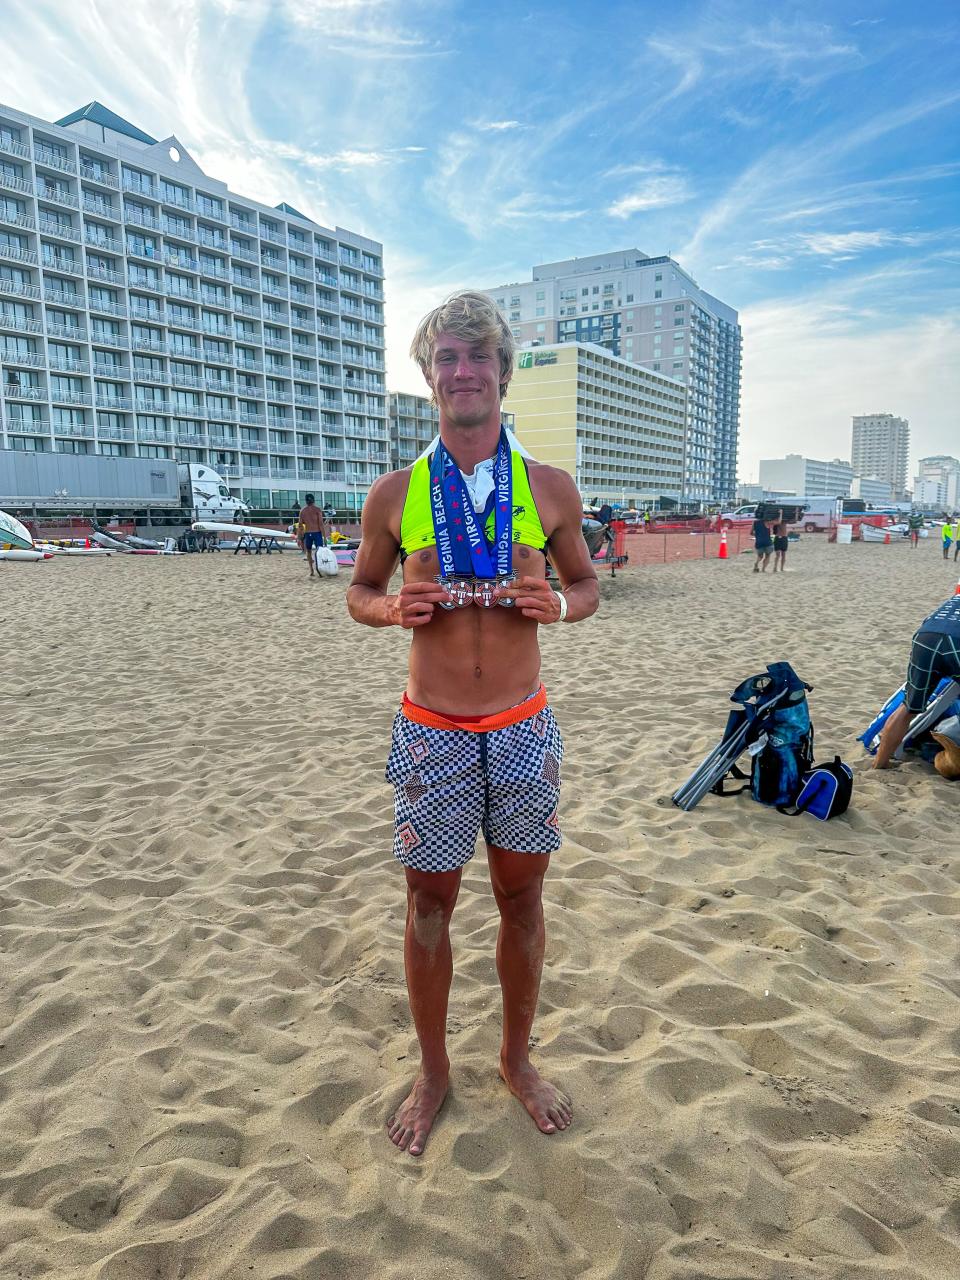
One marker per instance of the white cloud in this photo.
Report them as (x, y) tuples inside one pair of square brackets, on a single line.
[(498, 126), (659, 191)]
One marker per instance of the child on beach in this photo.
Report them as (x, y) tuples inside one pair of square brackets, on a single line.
[(780, 544)]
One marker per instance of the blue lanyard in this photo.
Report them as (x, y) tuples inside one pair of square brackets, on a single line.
[(461, 540)]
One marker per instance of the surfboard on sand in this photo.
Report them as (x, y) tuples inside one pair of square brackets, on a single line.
[(326, 562), (254, 531), (13, 534), (23, 553)]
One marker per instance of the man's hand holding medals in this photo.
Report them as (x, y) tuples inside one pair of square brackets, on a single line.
[(469, 574)]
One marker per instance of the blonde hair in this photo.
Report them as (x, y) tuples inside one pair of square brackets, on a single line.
[(474, 318)]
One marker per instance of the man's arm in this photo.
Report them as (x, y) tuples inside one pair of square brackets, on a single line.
[(534, 597), (377, 555), (891, 735)]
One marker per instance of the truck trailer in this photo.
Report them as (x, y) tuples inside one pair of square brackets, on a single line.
[(163, 491)]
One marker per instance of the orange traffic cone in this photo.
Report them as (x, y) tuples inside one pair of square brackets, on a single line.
[(723, 553), (886, 539), (956, 589)]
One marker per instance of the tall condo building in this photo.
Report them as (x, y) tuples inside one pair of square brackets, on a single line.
[(938, 482), (147, 310), (880, 448), (650, 312)]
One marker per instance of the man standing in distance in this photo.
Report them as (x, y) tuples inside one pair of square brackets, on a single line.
[(475, 746), (310, 526)]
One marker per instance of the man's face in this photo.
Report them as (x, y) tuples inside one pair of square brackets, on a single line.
[(465, 379)]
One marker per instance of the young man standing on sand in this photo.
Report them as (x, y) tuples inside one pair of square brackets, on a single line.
[(475, 745), (310, 526)]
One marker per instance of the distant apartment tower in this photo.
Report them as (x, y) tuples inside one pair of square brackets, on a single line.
[(938, 482), (146, 310), (616, 428), (414, 422), (806, 477), (880, 449), (650, 312)]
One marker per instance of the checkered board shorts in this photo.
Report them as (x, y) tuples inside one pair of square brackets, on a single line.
[(451, 784), (933, 657)]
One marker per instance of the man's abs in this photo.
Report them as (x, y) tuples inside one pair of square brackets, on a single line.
[(473, 661)]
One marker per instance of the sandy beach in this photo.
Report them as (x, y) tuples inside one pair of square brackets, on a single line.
[(204, 1018)]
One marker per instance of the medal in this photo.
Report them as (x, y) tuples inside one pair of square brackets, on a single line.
[(504, 580), (483, 589), (445, 583), (461, 590)]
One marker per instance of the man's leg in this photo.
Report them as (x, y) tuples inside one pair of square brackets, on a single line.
[(308, 548), (428, 962), (517, 880)]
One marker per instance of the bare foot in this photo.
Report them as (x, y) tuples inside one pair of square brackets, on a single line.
[(550, 1108), (413, 1120)]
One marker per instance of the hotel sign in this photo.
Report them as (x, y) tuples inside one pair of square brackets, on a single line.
[(533, 359)]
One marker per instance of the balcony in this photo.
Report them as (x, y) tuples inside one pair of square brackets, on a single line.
[(51, 227), (238, 251), (103, 208), (212, 241), (149, 344), (255, 471), (189, 437), (58, 195), (153, 315), (28, 426), (99, 175), (177, 199), (53, 159), (61, 298), (103, 338), (21, 325), (14, 391), (148, 284), (310, 401), (247, 309), (30, 359), (182, 291), (229, 469), (105, 244), (96, 304), (214, 270), (309, 450), (276, 344), (255, 365), (186, 380), (17, 219), (183, 322), (173, 232), (83, 429), (223, 388), (104, 369), (105, 273), (181, 262), (139, 187), (114, 433), (13, 148), (251, 419), (275, 237), (19, 290), (54, 262), (150, 375), (74, 333), (161, 435), (71, 397), (243, 225), (9, 183)]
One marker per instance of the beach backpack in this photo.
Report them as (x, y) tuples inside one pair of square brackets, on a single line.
[(782, 750), (825, 793)]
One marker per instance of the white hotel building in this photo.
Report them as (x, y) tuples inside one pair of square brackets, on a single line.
[(146, 310)]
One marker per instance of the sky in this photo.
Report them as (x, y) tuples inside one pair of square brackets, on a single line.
[(802, 161)]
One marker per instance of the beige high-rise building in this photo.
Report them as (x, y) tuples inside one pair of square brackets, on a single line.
[(616, 427), (880, 449)]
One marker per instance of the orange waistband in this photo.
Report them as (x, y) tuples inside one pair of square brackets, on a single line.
[(476, 724)]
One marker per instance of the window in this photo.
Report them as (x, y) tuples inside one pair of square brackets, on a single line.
[(584, 293), (659, 276), (541, 312), (113, 450), (629, 297), (596, 288), (658, 293), (514, 316), (678, 306), (515, 301), (540, 295), (154, 451)]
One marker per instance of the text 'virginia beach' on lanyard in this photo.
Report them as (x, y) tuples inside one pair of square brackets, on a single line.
[(467, 569)]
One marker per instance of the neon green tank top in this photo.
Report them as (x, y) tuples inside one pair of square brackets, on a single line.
[(416, 522)]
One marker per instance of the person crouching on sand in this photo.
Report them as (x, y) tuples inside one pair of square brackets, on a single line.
[(476, 748), (934, 656)]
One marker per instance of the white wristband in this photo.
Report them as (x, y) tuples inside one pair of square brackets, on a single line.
[(563, 606)]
